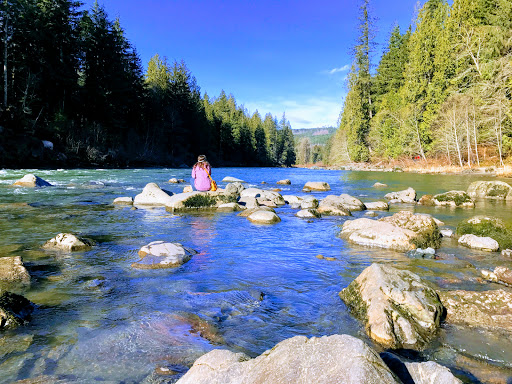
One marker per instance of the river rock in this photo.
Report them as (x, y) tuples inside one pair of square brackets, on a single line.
[(266, 203), (152, 195), (188, 188), (377, 206), (15, 310), (352, 203), (68, 242), (490, 190), (379, 185), (235, 188), (229, 179), (173, 180), (419, 253), (292, 200), (371, 214), (477, 242), (309, 202), (446, 232), (195, 200), (296, 360), (504, 275), (374, 233), (399, 310), (263, 217), (332, 206), (230, 207), (427, 200), (316, 186), (454, 199), (265, 195), (31, 181), (248, 202), (123, 201), (487, 309), (284, 182), (12, 270), (506, 253), (309, 213), (406, 196), (249, 211), (422, 224), (161, 254), (430, 372)]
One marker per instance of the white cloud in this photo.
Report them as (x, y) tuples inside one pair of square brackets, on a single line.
[(341, 69), (302, 112)]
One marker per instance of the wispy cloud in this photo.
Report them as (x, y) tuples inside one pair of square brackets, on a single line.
[(337, 70)]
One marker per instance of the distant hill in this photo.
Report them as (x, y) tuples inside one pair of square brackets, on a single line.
[(317, 136)]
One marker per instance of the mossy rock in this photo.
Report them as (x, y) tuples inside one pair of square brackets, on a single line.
[(484, 226), (454, 198)]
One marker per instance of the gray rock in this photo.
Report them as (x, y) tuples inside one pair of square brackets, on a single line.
[(12, 270), (423, 225), (295, 360), (458, 199), (476, 242), (399, 310), (371, 214), (431, 372), (352, 203), (230, 207), (31, 181), (123, 201), (229, 179), (374, 233), (263, 217), (248, 202), (152, 195), (265, 195), (406, 196), (309, 202), (428, 253), (292, 199), (235, 188), (316, 186), (506, 253), (161, 254), (310, 213), (379, 185), (446, 232), (15, 310), (249, 211), (332, 206), (284, 182), (497, 190), (68, 242), (504, 275), (377, 206)]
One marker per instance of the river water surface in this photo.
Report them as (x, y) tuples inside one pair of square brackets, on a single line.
[(251, 286)]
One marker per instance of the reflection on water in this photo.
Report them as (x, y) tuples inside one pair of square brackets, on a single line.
[(250, 286)]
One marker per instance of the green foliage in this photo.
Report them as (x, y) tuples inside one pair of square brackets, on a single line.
[(457, 198), (488, 228), (200, 200)]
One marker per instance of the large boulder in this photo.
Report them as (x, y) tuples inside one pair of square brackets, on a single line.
[(309, 202), (453, 199), (486, 226), (296, 360), (263, 217), (12, 270), (398, 309), (490, 190), (235, 188), (423, 225), (406, 196), (152, 195), (316, 186), (476, 242), (31, 181), (161, 254), (352, 203), (332, 205), (487, 309), (374, 233), (15, 310), (68, 242)]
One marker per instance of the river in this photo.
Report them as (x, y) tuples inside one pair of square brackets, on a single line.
[(250, 286)]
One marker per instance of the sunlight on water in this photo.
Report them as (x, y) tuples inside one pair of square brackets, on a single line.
[(249, 287)]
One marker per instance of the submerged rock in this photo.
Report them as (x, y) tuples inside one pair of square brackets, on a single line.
[(477, 242), (296, 360), (15, 310), (487, 309), (263, 217), (161, 254), (399, 310), (406, 196), (428, 253), (498, 190), (316, 186), (332, 205), (69, 242), (152, 195), (12, 270), (31, 181)]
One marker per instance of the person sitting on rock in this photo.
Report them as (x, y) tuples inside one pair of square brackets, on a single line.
[(200, 173)]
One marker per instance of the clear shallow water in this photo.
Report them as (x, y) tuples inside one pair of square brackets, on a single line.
[(100, 320)]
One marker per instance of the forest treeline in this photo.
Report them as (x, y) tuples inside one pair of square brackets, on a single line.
[(72, 81), (442, 88)]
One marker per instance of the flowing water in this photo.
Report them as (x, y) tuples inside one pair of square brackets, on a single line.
[(99, 320)]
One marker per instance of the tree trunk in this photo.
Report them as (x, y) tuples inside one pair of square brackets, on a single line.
[(454, 125), (468, 137), (6, 39), (474, 136)]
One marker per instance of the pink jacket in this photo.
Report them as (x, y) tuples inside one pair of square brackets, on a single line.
[(201, 179)]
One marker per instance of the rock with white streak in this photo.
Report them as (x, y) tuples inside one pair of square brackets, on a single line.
[(296, 360)]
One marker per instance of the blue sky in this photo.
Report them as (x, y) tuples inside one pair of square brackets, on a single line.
[(273, 56)]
